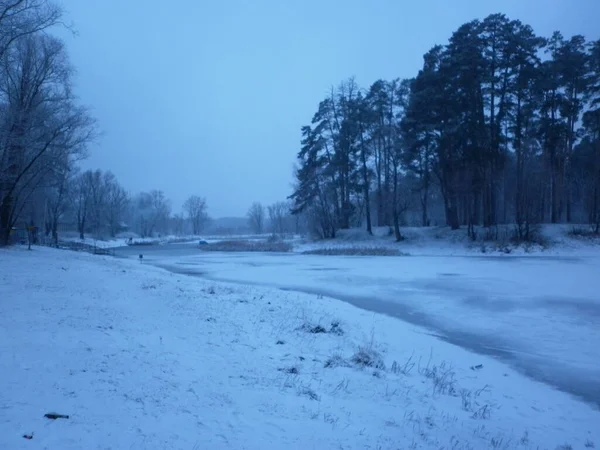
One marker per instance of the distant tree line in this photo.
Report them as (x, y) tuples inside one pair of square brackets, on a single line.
[(94, 203), (276, 219), (500, 126)]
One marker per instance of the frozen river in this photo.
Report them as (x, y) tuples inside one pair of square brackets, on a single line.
[(539, 314)]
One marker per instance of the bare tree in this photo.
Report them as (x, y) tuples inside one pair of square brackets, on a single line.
[(97, 201), (57, 200), (116, 202), (152, 212), (80, 200), (142, 214), (40, 125), (195, 207), (178, 224), (161, 209), (20, 18), (279, 215), (256, 217)]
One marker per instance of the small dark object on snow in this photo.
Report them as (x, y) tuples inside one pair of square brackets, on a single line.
[(336, 328), (477, 367), (28, 436), (55, 416), (141, 257)]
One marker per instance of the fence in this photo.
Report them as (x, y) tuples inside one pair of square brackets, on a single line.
[(82, 247)]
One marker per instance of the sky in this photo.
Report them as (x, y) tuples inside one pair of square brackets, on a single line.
[(197, 97)]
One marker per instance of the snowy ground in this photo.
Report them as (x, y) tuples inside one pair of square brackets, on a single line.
[(539, 313), (140, 358), (434, 241), (122, 241), (442, 241)]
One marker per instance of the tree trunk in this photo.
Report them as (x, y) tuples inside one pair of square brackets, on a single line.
[(567, 189), (386, 187), (54, 229), (4, 237), (365, 174), (424, 208), (395, 212), (476, 206), (452, 214), (553, 198), (81, 226), (380, 217), (29, 235), (397, 233), (5, 213)]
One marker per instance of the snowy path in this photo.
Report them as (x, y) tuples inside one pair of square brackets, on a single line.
[(541, 314), (140, 358)]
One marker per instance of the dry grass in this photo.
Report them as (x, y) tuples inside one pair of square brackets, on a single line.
[(355, 251), (367, 356), (247, 246)]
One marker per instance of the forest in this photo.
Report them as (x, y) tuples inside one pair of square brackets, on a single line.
[(499, 126)]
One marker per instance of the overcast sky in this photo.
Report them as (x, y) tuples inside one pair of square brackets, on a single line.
[(208, 97)]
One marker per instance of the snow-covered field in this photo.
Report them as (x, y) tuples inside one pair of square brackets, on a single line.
[(140, 358), (539, 313)]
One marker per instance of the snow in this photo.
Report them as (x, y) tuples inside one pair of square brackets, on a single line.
[(100, 243), (124, 241), (544, 310), (142, 358), (442, 241)]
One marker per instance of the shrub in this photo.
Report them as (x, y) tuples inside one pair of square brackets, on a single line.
[(312, 328), (293, 370), (247, 246), (368, 357), (404, 369), (441, 376), (355, 251), (336, 328), (308, 392), (336, 361)]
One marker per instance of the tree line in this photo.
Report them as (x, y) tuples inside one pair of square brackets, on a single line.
[(276, 219), (43, 129), (500, 126), (94, 203), (45, 133)]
